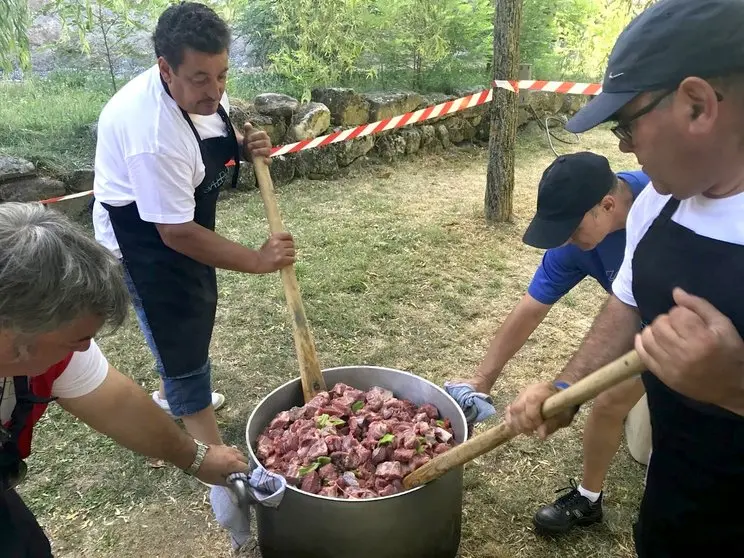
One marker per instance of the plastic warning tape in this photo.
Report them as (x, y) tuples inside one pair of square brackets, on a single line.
[(427, 113)]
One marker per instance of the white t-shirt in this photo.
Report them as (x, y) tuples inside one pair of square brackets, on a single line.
[(146, 152), (720, 219), (84, 373)]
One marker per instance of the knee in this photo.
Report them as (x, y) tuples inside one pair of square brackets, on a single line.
[(613, 405)]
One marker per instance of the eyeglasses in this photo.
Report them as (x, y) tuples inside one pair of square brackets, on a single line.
[(622, 129)]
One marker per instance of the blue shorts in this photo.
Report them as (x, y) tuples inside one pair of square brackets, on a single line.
[(188, 393)]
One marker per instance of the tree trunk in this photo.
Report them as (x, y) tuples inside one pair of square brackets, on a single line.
[(503, 134)]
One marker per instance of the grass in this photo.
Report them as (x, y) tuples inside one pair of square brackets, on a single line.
[(396, 269)]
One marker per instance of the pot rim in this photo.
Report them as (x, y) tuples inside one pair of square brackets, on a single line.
[(351, 501)]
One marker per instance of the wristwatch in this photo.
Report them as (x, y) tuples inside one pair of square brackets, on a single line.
[(560, 386), (201, 452)]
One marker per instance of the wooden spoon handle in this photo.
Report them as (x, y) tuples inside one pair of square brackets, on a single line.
[(307, 357)]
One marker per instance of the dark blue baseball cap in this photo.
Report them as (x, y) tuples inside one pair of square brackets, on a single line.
[(568, 189), (668, 42)]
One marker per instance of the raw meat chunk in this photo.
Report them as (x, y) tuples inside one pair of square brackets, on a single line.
[(389, 470), (346, 443), (311, 482)]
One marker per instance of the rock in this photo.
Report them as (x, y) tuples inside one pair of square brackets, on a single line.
[(247, 178), (276, 104), (428, 136), (474, 120), (80, 180), (93, 130), (412, 137), (573, 103), (533, 128), (545, 102), (44, 30), (387, 105), (283, 169), (241, 112), (443, 135), (464, 92), (483, 131), (317, 163), (31, 189), (436, 99), (390, 147), (459, 129), (14, 167), (274, 126), (346, 106), (349, 151), (310, 121), (523, 116), (75, 209)]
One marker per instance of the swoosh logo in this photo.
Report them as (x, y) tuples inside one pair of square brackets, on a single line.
[(611, 76)]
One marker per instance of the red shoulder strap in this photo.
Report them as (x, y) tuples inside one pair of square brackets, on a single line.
[(41, 386)]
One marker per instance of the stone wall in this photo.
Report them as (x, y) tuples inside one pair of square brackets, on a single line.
[(286, 120)]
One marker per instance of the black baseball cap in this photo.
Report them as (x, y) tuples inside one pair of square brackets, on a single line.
[(569, 187), (668, 42)]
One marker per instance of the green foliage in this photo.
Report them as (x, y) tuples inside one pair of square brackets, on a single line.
[(117, 21), (310, 42), (13, 38), (48, 120), (323, 42)]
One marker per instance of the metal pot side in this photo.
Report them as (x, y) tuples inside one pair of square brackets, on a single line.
[(421, 523)]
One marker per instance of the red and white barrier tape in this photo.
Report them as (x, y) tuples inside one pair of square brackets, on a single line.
[(435, 111), (565, 87)]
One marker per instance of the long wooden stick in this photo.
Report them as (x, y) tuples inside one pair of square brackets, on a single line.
[(622, 369), (310, 374)]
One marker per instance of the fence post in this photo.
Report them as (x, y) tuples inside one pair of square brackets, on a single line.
[(525, 72)]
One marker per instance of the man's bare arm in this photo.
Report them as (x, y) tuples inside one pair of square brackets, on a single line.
[(610, 337), (508, 339), (120, 409), (208, 247)]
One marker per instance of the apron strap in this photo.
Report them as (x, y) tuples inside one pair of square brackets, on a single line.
[(25, 401), (230, 132), (668, 210)]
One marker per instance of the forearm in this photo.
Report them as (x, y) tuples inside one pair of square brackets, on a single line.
[(207, 247), (121, 410), (610, 337), (511, 336)]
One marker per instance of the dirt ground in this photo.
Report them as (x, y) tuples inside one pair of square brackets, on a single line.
[(398, 269)]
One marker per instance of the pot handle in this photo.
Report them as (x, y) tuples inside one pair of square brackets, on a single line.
[(242, 493)]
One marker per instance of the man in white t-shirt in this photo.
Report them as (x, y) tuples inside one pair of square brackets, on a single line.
[(675, 87), (165, 148), (58, 288)]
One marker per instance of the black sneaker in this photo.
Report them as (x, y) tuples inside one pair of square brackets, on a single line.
[(569, 511)]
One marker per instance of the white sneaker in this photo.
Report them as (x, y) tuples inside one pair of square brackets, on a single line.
[(218, 400)]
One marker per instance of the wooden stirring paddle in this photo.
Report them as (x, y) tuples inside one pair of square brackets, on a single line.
[(310, 374), (622, 369)]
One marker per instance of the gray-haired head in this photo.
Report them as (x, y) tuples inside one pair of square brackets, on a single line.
[(52, 272)]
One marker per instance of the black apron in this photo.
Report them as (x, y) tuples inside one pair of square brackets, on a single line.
[(692, 505), (179, 294)]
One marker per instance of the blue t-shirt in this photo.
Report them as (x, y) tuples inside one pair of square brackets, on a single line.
[(564, 267)]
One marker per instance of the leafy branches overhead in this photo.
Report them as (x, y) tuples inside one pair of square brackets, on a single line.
[(316, 42), (13, 39)]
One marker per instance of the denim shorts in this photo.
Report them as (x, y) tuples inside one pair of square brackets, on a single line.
[(187, 394)]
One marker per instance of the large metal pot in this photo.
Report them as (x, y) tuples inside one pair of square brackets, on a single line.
[(422, 523)]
